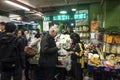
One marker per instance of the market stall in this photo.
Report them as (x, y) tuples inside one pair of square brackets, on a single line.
[(104, 58)]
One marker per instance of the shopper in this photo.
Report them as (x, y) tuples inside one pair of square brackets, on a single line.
[(35, 44), (48, 55), (10, 54), (27, 64), (23, 41), (68, 31), (77, 57), (35, 41), (2, 26), (2, 29)]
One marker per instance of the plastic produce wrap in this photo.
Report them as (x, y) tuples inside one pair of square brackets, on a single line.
[(113, 49), (62, 52), (63, 41), (118, 49)]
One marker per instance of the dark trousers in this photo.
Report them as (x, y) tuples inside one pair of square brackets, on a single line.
[(76, 71), (46, 73), (8, 75), (27, 69)]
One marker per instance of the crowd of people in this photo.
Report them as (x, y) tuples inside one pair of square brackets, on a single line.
[(14, 62)]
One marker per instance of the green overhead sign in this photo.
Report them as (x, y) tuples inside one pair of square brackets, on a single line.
[(80, 16), (46, 18), (61, 17), (65, 17)]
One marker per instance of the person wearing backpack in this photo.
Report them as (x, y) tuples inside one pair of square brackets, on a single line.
[(10, 54)]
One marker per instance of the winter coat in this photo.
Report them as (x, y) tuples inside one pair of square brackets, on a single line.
[(11, 38), (79, 53), (48, 52)]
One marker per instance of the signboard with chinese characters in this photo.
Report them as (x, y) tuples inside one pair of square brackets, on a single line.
[(81, 17)]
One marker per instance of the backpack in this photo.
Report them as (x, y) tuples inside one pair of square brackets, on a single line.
[(8, 53)]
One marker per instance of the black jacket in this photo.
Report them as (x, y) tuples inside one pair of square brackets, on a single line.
[(21, 43), (13, 39), (76, 48), (48, 52)]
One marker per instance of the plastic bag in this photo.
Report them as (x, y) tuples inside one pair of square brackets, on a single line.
[(30, 51), (68, 63), (62, 52)]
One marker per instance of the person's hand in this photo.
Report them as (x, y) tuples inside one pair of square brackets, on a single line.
[(59, 47), (39, 39), (70, 52)]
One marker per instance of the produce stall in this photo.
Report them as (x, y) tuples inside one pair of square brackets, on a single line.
[(104, 58)]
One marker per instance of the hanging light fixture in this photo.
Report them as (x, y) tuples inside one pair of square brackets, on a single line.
[(73, 9), (63, 12)]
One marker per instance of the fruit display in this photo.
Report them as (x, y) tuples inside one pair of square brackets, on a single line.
[(111, 48), (93, 59), (83, 31), (118, 49)]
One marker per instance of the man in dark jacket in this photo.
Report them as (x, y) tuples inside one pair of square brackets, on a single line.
[(11, 57), (48, 54)]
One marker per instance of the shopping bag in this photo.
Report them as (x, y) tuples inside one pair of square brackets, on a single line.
[(68, 63), (30, 51), (62, 52)]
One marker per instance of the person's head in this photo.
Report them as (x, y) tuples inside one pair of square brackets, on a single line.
[(75, 37), (68, 29), (2, 26), (37, 35), (26, 32), (20, 33), (37, 31), (53, 31), (10, 27)]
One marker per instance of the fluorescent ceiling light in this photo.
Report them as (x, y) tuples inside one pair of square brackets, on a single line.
[(13, 16), (38, 14), (73, 9), (63, 12), (17, 5), (26, 2)]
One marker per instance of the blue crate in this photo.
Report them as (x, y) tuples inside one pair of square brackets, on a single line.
[(106, 69), (101, 68), (118, 71), (90, 67)]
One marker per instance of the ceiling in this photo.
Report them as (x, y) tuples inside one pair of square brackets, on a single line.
[(42, 6)]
